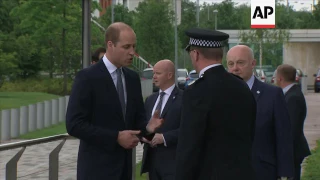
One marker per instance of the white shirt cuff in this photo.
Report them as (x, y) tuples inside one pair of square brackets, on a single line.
[(164, 141)]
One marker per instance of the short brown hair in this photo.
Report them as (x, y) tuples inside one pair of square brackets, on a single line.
[(113, 32), (95, 55), (210, 53), (288, 72)]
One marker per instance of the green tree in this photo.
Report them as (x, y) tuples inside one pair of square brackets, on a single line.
[(8, 65), (227, 17), (154, 29), (266, 40), (188, 20), (121, 14), (28, 59)]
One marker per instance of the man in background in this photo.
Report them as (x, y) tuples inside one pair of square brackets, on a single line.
[(159, 155), (296, 103), (272, 147), (97, 55)]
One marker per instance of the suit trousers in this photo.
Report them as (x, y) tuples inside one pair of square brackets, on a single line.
[(157, 171), (297, 171), (125, 175)]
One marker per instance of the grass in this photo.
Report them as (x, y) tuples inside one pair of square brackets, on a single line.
[(138, 177), (312, 167), (16, 99), (49, 131)]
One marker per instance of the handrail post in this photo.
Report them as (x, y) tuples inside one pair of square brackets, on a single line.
[(11, 167), (54, 161)]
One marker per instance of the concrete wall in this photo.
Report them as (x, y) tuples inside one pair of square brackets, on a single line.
[(303, 55)]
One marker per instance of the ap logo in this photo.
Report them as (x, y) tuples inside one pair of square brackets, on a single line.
[(263, 14)]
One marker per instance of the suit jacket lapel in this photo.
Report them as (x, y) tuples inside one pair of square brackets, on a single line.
[(128, 82), (151, 103), (169, 102), (256, 89), (110, 85)]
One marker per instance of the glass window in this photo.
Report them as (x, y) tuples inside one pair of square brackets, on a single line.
[(147, 74), (194, 75), (182, 74)]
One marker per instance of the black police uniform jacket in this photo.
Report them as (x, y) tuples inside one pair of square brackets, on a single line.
[(217, 129)]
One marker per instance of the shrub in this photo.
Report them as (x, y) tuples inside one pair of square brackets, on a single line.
[(46, 85)]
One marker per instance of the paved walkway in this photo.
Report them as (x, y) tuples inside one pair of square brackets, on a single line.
[(34, 162)]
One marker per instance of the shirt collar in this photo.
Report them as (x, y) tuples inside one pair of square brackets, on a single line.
[(206, 68), (250, 81), (111, 67), (169, 90), (286, 89)]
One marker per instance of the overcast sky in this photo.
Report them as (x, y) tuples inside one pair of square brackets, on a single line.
[(297, 4)]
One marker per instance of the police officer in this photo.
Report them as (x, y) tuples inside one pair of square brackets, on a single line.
[(218, 116)]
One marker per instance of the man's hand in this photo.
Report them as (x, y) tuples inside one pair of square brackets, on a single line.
[(157, 139), (155, 122), (145, 140), (128, 139)]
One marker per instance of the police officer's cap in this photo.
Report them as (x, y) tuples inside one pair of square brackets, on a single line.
[(205, 38)]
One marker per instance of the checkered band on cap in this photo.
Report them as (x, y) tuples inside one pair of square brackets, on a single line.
[(204, 43)]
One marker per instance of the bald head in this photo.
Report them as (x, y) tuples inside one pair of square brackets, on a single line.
[(164, 74), (241, 49), (113, 31), (166, 65), (240, 61)]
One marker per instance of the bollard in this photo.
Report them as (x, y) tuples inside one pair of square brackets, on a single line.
[(32, 117), (40, 115), (54, 111), (47, 113), (67, 101), (62, 109), (5, 125), (15, 123), (24, 124)]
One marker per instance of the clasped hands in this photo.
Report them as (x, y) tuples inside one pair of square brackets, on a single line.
[(128, 139)]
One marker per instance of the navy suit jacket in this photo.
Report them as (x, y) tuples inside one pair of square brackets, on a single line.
[(165, 156), (273, 142), (94, 116), (297, 110)]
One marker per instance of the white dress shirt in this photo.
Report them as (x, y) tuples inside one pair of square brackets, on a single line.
[(164, 102), (208, 67), (250, 82), (112, 70), (286, 89)]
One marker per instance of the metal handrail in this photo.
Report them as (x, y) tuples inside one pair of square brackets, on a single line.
[(11, 166), (31, 142)]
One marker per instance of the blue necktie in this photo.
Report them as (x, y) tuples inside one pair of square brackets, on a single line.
[(159, 105), (120, 90)]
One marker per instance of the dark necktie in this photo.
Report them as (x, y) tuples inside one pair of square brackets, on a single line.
[(120, 90), (159, 105)]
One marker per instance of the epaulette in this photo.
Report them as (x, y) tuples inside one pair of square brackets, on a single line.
[(196, 81), (200, 79)]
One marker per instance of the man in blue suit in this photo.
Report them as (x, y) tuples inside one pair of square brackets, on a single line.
[(106, 110), (159, 155), (273, 143)]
